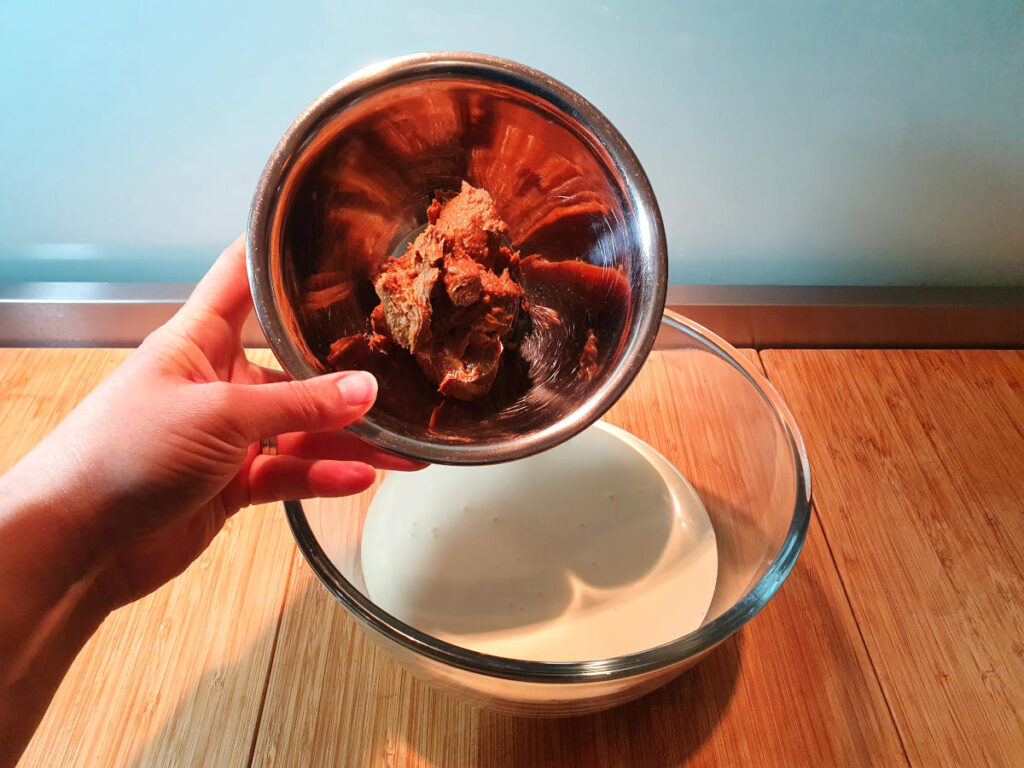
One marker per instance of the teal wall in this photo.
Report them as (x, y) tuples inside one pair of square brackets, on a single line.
[(802, 142)]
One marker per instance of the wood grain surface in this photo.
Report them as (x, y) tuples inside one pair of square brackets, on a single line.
[(918, 460)]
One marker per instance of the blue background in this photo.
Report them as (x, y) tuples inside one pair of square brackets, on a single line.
[(803, 142)]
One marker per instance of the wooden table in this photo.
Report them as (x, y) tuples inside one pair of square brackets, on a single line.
[(898, 638)]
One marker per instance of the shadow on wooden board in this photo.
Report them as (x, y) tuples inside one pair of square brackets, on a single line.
[(662, 729), (658, 730)]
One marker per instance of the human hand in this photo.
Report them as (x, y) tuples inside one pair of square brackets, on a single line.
[(152, 462)]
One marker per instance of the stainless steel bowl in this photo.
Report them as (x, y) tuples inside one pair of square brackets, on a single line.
[(348, 186)]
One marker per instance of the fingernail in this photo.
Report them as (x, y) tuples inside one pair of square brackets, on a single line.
[(358, 388)]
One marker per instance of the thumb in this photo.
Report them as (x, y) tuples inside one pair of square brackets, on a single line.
[(319, 404)]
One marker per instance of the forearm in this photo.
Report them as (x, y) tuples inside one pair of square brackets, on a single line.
[(49, 601)]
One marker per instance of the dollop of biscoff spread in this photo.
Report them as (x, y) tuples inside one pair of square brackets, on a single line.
[(453, 298)]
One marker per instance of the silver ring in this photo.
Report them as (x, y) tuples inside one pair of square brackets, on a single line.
[(268, 446)]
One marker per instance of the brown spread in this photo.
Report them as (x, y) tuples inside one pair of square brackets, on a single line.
[(588, 358), (452, 299)]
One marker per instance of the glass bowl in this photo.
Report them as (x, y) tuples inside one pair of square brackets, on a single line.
[(708, 410)]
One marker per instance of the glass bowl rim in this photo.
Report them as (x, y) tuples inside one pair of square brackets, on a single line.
[(650, 660)]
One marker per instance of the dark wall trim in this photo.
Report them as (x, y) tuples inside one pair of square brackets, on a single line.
[(122, 314)]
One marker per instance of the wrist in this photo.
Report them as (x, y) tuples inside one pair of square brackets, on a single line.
[(52, 541)]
